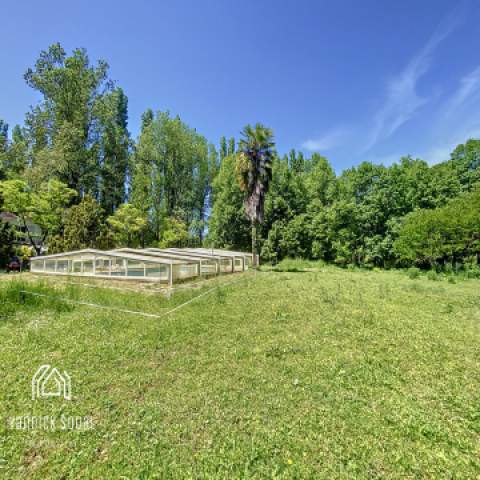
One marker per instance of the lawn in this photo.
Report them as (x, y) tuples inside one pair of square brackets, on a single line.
[(305, 373)]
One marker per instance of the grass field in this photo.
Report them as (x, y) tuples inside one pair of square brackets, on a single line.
[(323, 373)]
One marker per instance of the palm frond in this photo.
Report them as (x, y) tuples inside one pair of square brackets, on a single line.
[(254, 168)]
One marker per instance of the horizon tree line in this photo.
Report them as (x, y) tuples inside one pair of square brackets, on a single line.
[(74, 169)]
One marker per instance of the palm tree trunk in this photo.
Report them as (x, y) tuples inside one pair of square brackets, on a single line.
[(254, 244)]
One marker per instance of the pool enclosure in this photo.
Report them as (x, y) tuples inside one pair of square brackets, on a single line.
[(166, 266)]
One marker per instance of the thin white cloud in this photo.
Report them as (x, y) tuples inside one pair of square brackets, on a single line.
[(438, 154), (458, 119), (330, 140), (402, 100), (387, 160), (469, 87), (441, 152)]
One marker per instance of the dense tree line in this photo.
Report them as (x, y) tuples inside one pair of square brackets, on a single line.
[(75, 150), (364, 216), (74, 170)]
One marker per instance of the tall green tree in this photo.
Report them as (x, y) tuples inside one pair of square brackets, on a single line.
[(114, 149), (63, 122), (171, 174), (228, 226), (3, 148), (83, 227), (223, 148), (45, 208), (127, 223), (254, 169), (231, 146)]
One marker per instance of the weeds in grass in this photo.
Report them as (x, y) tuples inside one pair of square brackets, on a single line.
[(220, 295), (278, 352), (280, 316), (332, 374), (296, 265), (433, 275), (15, 296), (413, 273)]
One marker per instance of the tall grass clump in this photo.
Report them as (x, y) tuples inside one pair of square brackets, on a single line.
[(297, 265), (433, 275), (413, 273), (18, 295)]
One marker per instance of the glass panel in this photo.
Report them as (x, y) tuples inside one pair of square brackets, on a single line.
[(209, 267), (158, 271), (226, 265), (62, 266), (118, 267), (50, 265), (37, 266), (102, 266), (185, 271), (76, 266), (88, 267), (135, 268)]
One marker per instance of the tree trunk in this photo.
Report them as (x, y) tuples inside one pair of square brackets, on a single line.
[(254, 244), (27, 231)]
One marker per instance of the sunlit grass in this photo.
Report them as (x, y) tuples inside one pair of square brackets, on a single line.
[(314, 372)]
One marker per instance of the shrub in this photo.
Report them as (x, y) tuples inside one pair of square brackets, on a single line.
[(472, 273), (7, 237), (448, 268), (413, 273), (433, 275)]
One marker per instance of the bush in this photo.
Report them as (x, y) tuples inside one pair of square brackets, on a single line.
[(413, 273), (7, 237), (472, 273), (433, 275), (448, 268)]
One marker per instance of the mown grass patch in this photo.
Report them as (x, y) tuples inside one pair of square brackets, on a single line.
[(327, 373)]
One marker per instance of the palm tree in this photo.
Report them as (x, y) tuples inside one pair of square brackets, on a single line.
[(254, 171)]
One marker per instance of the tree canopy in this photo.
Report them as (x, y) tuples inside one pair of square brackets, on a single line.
[(74, 169)]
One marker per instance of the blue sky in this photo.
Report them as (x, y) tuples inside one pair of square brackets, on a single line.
[(354, 80)]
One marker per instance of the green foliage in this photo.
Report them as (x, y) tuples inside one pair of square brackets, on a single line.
[(127, 223), (432, 275), (228, 225), (443, 235), (24, 252), (172, 172), (174, 234), (254, 168), (75, 145), (114, 142), (7, 238), (49, 206), (62, 128), (357, 217), (413, 273), (45, 207), (84, 227)]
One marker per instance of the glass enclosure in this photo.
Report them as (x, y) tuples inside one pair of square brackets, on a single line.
[(168, 265)]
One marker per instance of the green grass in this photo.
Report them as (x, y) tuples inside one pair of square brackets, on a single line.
[(325, 373)]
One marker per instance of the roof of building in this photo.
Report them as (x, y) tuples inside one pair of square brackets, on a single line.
[(188, 251), (129, 256), (159, 253), (219, 251)]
